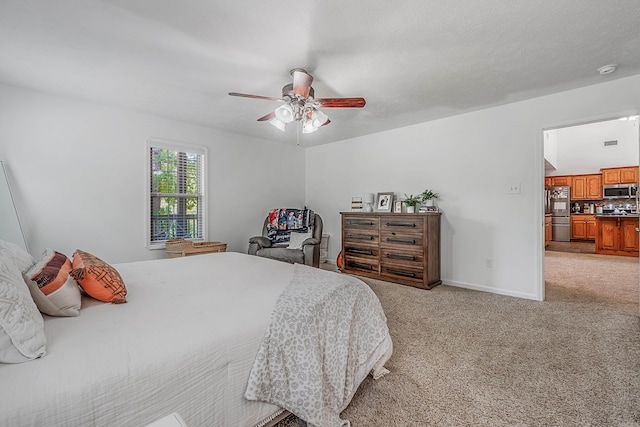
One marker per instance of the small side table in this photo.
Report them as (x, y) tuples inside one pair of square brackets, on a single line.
[(177, 248)]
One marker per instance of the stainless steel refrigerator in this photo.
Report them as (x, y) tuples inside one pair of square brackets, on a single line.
[(558, 202)]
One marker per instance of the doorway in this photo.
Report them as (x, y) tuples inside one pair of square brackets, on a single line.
[(573, 271)]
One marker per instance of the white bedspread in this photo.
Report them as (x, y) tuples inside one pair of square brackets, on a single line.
[(185, 342), (326, 334)]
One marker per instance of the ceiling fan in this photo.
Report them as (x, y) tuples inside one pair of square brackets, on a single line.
[(299, 104)]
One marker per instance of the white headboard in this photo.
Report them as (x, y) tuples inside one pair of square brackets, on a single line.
[(10, 229)]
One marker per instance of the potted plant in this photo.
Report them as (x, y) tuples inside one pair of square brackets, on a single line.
[(411, 202), (428, 196)]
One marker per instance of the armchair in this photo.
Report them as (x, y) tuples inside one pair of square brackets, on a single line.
[(308, 252)]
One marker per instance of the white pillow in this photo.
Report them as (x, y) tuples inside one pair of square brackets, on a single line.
[(21, 326), (296, 239), (20, 257), (54, 291)]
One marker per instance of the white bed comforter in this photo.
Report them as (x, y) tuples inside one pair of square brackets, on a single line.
[(185, 342), (326, 334)]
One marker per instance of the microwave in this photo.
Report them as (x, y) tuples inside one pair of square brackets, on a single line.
[(619, 191)]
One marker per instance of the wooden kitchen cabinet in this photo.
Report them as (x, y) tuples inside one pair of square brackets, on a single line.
[(558, 181), (586, 187), (617, 236), (583, 227), (592, 229), (623, 175), (578, 187), (629, 175), (594, 187), (629, 235), (399, 248)]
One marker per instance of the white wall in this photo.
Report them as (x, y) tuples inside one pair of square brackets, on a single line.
[(469, 160), (581, 150), (78, 175)]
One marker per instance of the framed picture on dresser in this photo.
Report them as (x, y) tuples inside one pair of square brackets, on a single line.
[(384, 202), (397, 206)]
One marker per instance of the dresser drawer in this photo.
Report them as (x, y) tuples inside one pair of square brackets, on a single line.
[(405, 239), (360, 223), (360, 237), (361, 251), (401, 225), (360, 265), (411, 258), (396, 271)]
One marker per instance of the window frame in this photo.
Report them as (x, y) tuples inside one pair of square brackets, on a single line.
[(178, 146)]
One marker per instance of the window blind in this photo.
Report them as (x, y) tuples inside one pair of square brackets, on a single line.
[(176, 192)]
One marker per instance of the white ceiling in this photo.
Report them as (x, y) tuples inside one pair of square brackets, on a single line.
[(412, 60)]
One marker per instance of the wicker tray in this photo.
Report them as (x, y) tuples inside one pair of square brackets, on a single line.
[(180, 247)]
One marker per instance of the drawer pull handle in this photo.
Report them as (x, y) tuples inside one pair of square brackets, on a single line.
[(358, 265), (401, 224), (360, 222), (400, 273), (402, 257), (360, 237), (411, 242), (359, 251)]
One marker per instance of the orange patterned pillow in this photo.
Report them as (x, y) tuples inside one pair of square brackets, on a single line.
[(97, 278)]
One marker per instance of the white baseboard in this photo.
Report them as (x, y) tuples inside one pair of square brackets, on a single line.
[(489, 289)]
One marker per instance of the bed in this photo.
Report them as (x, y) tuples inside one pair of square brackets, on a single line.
[(187, 342)]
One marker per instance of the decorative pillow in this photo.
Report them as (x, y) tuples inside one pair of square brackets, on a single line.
[(53, 290), (296, 239), (20, 257), (97, 278), (21, 326)]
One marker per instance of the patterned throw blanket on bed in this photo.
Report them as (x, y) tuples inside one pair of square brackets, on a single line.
[(283, 221), (326, 334)]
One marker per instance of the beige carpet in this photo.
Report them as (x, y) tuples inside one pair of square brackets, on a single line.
[(467, 358), (599, 279)]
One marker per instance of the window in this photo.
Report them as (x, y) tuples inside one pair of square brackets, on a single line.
[(176, 194)]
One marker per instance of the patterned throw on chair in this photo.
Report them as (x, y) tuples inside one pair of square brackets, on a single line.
[(284, 220)]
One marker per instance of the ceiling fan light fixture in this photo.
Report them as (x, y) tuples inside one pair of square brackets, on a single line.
[(284, 113), (318, 118), (308, 127), (276, 122)]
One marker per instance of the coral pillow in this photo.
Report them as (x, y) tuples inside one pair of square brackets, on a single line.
[(97, 278), (53, 290)]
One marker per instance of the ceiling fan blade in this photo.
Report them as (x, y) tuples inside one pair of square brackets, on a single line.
[(301, 82), (326, 123), (244, 95), (269, 116), (341, 102)]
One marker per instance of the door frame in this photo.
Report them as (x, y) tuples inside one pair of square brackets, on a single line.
[(540, 166)]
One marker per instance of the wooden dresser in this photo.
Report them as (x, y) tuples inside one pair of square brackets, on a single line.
[(399, 248)]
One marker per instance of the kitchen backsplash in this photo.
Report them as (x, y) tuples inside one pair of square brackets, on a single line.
[(585, 206)]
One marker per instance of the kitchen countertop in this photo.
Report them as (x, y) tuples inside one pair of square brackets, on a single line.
[(632, 215)]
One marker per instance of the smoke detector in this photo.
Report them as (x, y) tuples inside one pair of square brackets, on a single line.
[(607, 69)]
